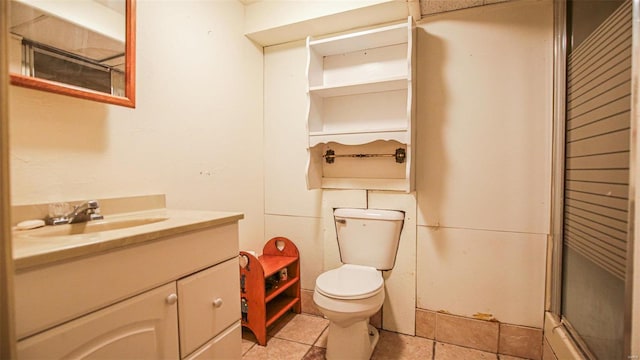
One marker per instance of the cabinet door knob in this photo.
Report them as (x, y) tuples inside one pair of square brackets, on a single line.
[(217, 302), (171, 299)]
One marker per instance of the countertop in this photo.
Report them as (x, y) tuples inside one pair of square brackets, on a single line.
[(35, 247)]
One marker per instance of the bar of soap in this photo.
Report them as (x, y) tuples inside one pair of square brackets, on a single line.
[(30, 224)]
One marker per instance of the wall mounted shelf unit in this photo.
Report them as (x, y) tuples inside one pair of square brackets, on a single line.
[(361, 88)]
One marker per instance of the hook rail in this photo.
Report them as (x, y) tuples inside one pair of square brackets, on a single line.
[(400, 155)]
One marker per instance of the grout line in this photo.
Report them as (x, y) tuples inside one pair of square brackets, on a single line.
[(433, 350), (307, 353)]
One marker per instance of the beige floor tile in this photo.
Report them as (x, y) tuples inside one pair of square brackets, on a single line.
[(277, 349), (246, 345), (302, 328), (398, 346), (322, 340), (453, 352)]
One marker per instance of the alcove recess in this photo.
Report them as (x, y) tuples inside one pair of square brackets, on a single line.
[(361, 87)]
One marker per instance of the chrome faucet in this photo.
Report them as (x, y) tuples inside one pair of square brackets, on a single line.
[(89, 210)]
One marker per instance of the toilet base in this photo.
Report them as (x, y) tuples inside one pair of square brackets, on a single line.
[(354, 342)]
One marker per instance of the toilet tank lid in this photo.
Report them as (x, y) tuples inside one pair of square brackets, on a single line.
[(369, 214)]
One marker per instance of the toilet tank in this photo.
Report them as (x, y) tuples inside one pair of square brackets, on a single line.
[(368, 237)]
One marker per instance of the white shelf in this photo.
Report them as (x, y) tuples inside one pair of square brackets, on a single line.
[(374, 38), (358, 137), (381, 85), (360, 91)]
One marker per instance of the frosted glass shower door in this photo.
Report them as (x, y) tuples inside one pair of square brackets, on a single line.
[(597, 175)]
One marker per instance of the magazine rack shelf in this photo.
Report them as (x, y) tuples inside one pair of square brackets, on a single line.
[(269, 285)]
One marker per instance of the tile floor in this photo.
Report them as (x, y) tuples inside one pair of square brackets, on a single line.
[(304, 337)]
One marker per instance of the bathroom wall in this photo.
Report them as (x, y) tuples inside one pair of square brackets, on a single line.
[(290, 209), (484, 114), (483, 158), (195, 135)]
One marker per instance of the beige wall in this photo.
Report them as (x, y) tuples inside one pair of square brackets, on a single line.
[(195, 135), (483, 185), (290, 209), (484, 149)]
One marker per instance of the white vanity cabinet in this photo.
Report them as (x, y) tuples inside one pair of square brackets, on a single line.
[(173, 297), (360, 119), (143, 327), (209, 302)]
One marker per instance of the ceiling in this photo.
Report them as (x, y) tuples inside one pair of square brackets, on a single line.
[(428, 7)]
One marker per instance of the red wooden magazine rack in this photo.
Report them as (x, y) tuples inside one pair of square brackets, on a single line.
[(269, 285)]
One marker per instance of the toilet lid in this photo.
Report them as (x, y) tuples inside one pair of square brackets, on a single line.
[(350, 282)]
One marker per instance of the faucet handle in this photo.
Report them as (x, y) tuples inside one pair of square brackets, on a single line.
[(60, 220), (58, 213), (94, 214)]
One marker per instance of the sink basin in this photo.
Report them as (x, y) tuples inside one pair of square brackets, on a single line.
[(94, 226)]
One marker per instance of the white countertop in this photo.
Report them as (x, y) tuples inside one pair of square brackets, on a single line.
[(36, 248)]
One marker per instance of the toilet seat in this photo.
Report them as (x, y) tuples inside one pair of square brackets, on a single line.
[(350, 282)]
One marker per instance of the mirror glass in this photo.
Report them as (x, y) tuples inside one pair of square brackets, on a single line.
[(82, 48)]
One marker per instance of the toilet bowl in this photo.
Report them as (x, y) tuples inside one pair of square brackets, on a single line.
[(350, 294)]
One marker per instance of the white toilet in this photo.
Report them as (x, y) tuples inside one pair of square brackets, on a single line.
[(349, 295)]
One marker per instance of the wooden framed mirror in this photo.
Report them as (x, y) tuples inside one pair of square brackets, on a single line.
[(83, 48)]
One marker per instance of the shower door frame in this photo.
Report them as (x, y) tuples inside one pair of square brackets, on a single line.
[(554, 286), (632, 311)]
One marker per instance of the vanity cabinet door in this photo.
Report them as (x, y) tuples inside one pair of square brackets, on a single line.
[(143, 327), (227, 345), (209, 303)]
